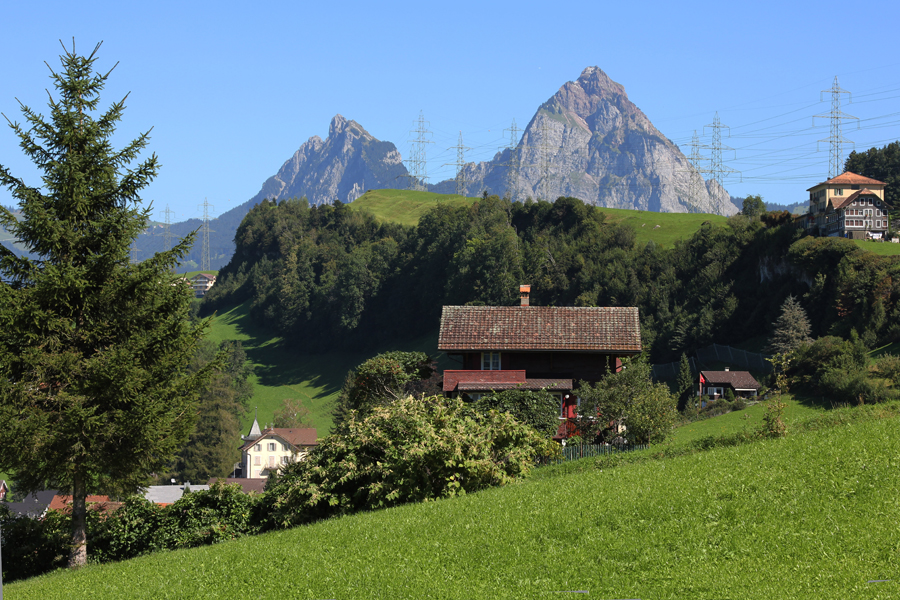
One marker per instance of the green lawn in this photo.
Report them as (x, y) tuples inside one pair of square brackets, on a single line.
[(882, 248), (751, 417), (663, 228), (813, 515), (404, 206), (283, 371)]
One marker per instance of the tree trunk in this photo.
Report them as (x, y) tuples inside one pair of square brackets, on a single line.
[(78, 554)]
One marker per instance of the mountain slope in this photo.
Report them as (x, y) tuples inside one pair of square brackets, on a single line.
[(591, 142)]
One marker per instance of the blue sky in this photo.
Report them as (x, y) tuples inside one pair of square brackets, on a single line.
[(233, 89)]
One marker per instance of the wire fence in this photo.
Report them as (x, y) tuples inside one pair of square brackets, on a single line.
[(750, 361), (579, 451)]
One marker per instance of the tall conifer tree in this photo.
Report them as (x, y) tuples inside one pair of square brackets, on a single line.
[(94, 390)]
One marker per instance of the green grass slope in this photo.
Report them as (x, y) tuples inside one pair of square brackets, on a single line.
[(813, 515), (404, 206), (662, 228), (882, 248), (284, 371)]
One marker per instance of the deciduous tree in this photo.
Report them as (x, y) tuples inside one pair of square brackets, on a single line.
[(95, 393)]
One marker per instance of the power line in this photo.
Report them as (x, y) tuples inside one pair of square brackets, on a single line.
[(460, 166), (205, 231), (514, 163), (837, 139), (167, 233), (717, 169), (418, 168)]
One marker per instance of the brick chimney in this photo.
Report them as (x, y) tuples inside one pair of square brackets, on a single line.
[(524, 292)]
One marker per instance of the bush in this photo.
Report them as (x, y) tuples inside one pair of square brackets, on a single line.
[(538, 409), (412, 450)]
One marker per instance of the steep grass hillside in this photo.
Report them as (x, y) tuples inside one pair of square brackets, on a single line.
[(404, 206), (812, 515), (295, 371)]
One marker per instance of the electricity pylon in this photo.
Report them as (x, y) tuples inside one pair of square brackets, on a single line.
[(836, 139), (514, 163), (460, 165), (716, 168)]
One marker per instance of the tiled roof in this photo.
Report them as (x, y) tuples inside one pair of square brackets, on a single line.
[(564, 328), (255, 485), (739, 380), (845, 201), (848, 178), (296, 437)]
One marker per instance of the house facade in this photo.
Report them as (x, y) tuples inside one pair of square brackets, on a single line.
[(850, 206), (266, 451), (535, 347), (715, 383), (201, 283)]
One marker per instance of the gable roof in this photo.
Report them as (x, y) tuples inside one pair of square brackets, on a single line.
[(562, 328), (295, 437), (256, 485), (739, 380), (848, 178), (34, 505), (845, 201)]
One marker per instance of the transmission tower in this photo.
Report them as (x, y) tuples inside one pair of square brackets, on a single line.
[(835, 165), (696, 172), (460, 165), (134, 252), (205, 231), (716, 168), (167, 233), (515, 160), (417, 162)]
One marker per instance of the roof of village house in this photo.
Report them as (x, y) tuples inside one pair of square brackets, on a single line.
[(848, 178), (845, 201), (98, 503), (739, 380), (295, 437), (560, 328), (169, 494), (34, 505), (249, 485)]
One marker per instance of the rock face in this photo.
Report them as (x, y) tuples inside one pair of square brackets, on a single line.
[(341, 167), (589, 141)]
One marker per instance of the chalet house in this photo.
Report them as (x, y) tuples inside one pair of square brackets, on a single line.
[(850, 206), (535, 347), (264, 452), (201, 283), (741, 383)]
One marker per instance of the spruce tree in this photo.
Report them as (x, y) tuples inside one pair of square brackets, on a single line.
[(95, 394), (791, 329), (685, 382)]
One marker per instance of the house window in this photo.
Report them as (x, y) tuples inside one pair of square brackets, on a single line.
[(256, 461), (839, 192), (490, 361), (271, 446), (285, 448), (284, 460), (271, 461), (258, 447)]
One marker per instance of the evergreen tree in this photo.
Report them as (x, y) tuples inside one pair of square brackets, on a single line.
[(791, 329), (95, 394), (685, 382)]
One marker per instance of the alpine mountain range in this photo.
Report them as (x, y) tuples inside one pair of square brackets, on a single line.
[(588, 141)]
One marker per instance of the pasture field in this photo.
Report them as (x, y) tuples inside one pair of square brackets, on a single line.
[(405, 207), (812, 515)]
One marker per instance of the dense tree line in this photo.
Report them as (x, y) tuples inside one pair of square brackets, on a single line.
[(331, 276)]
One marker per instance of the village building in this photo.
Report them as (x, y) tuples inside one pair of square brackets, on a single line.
[(535, 347), (714, 384), (202, 283), (266, 451), (849, 206)]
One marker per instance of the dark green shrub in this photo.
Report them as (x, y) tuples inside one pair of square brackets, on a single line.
[(411, 450), (536, 408)]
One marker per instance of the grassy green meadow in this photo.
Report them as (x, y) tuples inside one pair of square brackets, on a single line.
[(662, 228), (295, 371), (405, 207), (813, 515), (882, 248)]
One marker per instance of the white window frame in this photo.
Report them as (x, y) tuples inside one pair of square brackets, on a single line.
[(490, 361), (271, 447)]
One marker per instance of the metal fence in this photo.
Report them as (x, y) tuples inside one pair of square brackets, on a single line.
[(750, 361), (579, 451)]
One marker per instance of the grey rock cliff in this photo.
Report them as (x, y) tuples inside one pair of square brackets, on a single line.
[(341, 167), (591, 142)]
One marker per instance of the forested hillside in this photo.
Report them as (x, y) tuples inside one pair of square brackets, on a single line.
[(329, 277)]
